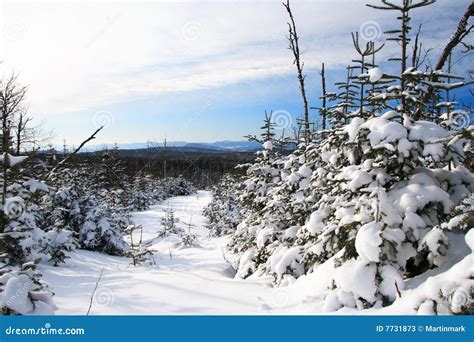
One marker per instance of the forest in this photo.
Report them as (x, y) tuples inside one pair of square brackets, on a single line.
[(366, 206)]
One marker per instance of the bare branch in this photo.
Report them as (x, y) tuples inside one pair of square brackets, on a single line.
[(294, 47), (62, 162), (461, 32), (93, 292)]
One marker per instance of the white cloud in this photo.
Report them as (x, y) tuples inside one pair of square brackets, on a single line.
[(79, 55)]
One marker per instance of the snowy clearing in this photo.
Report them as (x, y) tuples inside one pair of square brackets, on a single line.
[(195, 280)]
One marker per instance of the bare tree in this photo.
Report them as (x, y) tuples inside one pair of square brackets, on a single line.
[(20, 129), (369, 50), (401, 36), (293, 39), (27, 136), (165, 152), (419, 53), (12, 97), (462, 31), (72, 154), (323, 110)]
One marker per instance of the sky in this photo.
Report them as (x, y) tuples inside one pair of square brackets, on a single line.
[(197, 71)]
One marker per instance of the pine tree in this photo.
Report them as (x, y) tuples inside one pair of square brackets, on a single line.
[(224, 212)]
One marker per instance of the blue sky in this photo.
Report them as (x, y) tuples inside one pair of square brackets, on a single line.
[(190, 70)]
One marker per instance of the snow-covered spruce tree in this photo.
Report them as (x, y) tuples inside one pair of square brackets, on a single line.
[(453, 292), (113, 184), (142, 196), (378, 210), (169, 224), (58, 211), (188, 239), (344, 98), (177, 186), (224, 212), (292, 196), (62, 213), (384, 188), (22, 292), (21, 238), (384, 207), (27, 236), (22, 245), (105, 205), (261, 177), (103, 228), (77, 205)]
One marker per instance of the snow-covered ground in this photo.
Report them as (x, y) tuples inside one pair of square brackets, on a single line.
[(197, 280)]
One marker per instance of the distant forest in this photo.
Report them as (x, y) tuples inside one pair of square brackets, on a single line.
[(203, 168)]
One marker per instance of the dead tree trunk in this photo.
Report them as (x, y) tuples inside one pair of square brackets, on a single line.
[(462, 31), (324, 99), (294, 47)]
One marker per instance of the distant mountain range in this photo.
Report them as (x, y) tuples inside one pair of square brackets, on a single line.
[(218, 146)]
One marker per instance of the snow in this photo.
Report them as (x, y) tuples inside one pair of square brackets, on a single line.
[(375, 75), (445, 86), (470, 239), (263, 236), (353, 128), (14, 206), (283, 258), (316, 223), (268, 145), (383, 131), (391, 114), (368, 241), (13, 160), (426, 309), (417, 194), (358, 179), (35, 185), (198, 281), (294, 178), (15, 295), (305, 171), (392, 282), (426, 130), (358, 277), (194, 280)]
